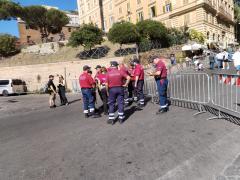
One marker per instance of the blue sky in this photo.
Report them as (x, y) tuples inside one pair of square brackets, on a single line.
[(10, 27)]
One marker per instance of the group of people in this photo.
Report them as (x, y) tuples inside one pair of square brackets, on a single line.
[(222, 58), (53, 91), (121, 84)]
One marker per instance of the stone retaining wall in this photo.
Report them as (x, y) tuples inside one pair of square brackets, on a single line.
[(36, 76)]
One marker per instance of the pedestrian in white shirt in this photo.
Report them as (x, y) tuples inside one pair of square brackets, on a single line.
[(225, 60), (236, 60), (220, 59)]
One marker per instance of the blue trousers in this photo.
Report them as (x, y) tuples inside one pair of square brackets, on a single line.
[(140, 93), (88, 100), (162, 86), (116, 94), (212, 65), (220, 63)]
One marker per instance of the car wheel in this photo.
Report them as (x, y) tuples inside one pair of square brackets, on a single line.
[(5, 93)]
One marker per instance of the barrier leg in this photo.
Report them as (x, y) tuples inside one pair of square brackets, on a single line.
[(219, 116), (201, 111)]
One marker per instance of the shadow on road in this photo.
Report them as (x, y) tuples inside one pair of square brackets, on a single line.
[(74, 101)]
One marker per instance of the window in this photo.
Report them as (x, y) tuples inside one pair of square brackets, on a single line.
[(69, 29), (213, 36), (138, 1), (120, 10), (152, 11), (129, 19), (17, 82), (186, 19), (111, 20), (110, 6), (185, 2), (4, 82), (168, 7), (128, 6), (208, 35), (140, 16)]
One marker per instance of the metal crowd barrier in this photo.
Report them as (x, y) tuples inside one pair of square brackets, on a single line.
[(225, 93), (188, 87), (219, 91)]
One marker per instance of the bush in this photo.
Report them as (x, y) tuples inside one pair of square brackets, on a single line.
[(87, 36), (178, 36), (154, 31), (8, 45), (123, 33), (197, 36)]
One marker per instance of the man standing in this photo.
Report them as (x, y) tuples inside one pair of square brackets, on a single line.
[(87, 83), (124, 69), (160, 76), (139, 81), (220, 57), (236, 60), (52, 92), (115, 87), (225, 59)]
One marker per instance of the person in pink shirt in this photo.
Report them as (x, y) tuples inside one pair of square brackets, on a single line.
[(139, 82), (101, 79)]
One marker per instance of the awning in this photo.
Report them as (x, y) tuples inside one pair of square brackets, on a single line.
[(187, 48)]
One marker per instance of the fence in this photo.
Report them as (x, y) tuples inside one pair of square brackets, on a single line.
[(188, 87), (218, 91), (226, 93)]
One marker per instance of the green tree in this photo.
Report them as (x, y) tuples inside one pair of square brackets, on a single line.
[(123, 33), (178, 36), (197, 36), (7, 45), (9, 10), (88, 35), (153, 30), (46, 21)]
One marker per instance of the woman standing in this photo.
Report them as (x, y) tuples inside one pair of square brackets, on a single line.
[(62, 91), (101, 79)]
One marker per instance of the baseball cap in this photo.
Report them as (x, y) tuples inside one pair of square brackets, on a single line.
[(114, 63), (51, 76), (98, 66), (151, 58), (86, 67)]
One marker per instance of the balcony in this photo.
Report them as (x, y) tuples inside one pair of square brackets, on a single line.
[(208, 4), (224, 15)]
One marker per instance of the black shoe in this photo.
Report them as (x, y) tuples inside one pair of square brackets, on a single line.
[(110, 122), (161, 111), (121, 121), (95, 115), (86, 116), (52, 107), (106, 114)]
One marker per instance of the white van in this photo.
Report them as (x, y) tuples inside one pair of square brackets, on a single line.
[(12, 86)]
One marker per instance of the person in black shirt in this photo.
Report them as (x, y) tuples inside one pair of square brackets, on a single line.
[(52, 92), (62, 91)]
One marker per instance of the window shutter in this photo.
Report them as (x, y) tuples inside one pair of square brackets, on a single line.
[(164, 10)]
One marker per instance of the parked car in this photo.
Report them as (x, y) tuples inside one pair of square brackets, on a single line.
[(12, 86)]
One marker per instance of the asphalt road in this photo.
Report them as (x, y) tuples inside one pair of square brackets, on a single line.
[(37, 143)]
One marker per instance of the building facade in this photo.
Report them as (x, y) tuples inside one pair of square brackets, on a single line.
[(29, 36), (215, 18)]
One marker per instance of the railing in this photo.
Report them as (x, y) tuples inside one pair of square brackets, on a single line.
[(219, 91), (226, 92)]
